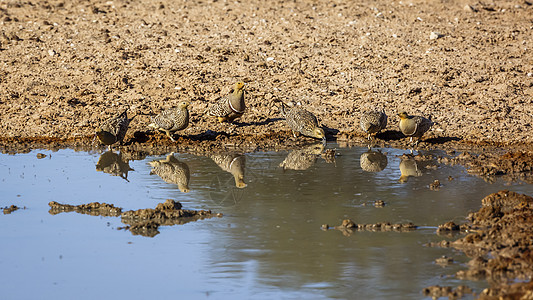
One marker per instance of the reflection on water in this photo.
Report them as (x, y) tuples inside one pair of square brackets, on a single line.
[(114, 164), (173, 171), (233, 163), (373, 161), (408, 167), (304, 158), (267, 244)]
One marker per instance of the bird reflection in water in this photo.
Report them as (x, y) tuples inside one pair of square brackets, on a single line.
[(408, 167), (233, 163), (114, 164), (373, 161), (173, 171), (304, 158)]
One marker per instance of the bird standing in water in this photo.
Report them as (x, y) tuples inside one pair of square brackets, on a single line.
[(172, 120), (230, 107), (372, 122), (114, 130), (302, 121), (414, 126)]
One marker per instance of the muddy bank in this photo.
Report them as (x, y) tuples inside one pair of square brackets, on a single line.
[(498, 241), (143, 222), (512, 165), (69, 65)]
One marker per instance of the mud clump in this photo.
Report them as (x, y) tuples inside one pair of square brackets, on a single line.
[(446, 291), (489, 165), (147, 221), (348, 227), (143, 222), (500, 246), (448, 227), (93, 209), (9, 209)]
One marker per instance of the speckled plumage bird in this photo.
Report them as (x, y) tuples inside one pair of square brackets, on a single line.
[(372, 161), (372, 122), (414, 126), (230, 107), (233, 163), (171, 170), (172, 120), (302, 121), (114, 130), (302, 159)]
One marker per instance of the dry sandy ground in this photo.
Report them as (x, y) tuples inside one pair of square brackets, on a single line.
[(66, 66)]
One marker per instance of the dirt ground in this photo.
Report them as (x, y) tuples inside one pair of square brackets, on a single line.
[(497, 238), (66, 66)]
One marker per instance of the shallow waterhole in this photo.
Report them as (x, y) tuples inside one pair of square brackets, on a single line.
[(269, 242)]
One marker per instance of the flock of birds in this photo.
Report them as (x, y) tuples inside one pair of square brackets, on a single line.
[(232, 106)]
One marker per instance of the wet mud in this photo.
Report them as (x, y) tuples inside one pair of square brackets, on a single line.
[(93, 209), (436, 291), (143, 222), (510, 165), (146, 221), (349, 227), (9, 209), (497, 239)]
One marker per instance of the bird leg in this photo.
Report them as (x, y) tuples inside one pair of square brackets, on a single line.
[(169, 135)]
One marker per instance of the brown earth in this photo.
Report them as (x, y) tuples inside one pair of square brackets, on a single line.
[(66, 66), (498, 241), (143, 222)]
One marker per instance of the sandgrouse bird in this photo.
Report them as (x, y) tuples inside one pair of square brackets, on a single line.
[(414, 126), (372, 122), (172, 120), (114, 130), (302, 121), (230, 107)]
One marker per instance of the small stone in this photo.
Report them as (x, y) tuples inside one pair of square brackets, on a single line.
[(444, 260), (348, 224), (379, 203), (41, 155), (435, 35), (469, 8), (51, 52), (435, 185)]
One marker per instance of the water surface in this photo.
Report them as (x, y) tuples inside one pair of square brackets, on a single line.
[(268, 244)]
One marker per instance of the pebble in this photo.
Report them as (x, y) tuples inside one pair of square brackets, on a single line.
[(469, 8), (435, 35)]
